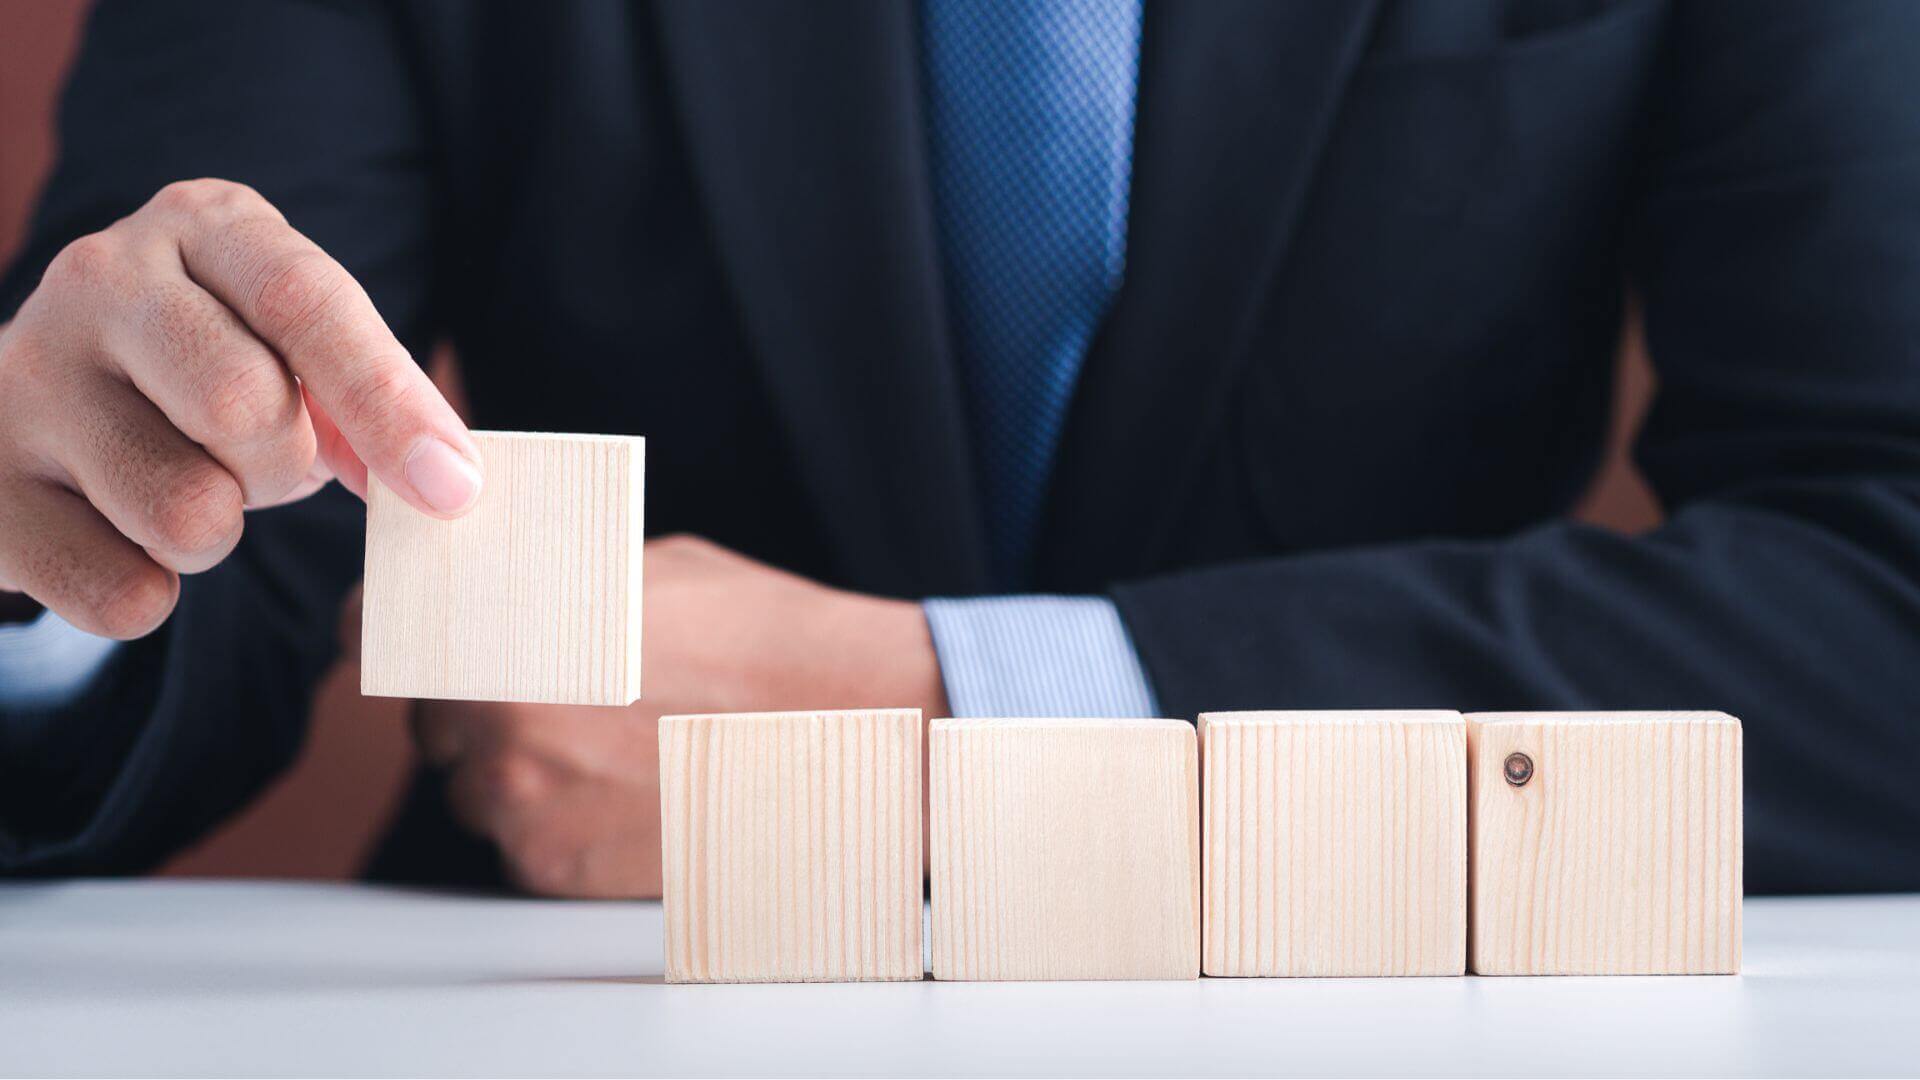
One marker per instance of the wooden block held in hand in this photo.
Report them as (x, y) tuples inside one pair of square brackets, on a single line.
[(1064, 849), (1604, 843), (533, 595), (1336, 843), (791, 846)]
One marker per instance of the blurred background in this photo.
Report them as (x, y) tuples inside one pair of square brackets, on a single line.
[(319, 820)]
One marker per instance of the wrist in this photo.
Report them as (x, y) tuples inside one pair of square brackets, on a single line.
[(883, 655)]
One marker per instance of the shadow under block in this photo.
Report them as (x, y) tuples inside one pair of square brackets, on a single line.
[(791, 846), (1618, 855), (533, 595), (1336, 843), (1064, 849)]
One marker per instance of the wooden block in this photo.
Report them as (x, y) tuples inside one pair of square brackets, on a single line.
[(534, 595), (1604, 843), (1064, 849), (791, 846), (1336, 843)]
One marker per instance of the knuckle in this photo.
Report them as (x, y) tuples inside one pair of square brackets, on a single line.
[(21, 361), (295, 293), (204, 194), (91, 261), (197, 511), (136, 603), (382, 395), (510, 780), (250, 402)]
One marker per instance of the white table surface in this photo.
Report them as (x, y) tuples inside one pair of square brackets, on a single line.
[(166, 977)]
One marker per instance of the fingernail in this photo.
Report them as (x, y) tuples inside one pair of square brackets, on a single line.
[(442, 477)]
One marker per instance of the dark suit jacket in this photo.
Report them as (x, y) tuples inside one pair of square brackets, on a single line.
[(1321, 450)]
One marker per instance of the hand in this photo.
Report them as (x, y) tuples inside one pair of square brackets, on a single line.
[(195, 359), (571, 794)]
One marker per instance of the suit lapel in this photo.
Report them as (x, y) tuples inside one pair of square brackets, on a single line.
[(803, 124), (1236, 100)]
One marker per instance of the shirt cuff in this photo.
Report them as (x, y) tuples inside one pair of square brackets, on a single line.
[(1038, 656), (47, 663)]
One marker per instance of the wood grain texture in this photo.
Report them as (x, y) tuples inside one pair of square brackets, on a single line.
[(1620, 855), (1335, 843), (1064, 849), (533, 595), (791, 846)]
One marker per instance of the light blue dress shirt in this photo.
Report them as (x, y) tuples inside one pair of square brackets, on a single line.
[(47, 663), (1038, 656)]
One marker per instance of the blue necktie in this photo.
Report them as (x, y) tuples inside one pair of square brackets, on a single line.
[(1030, 117)]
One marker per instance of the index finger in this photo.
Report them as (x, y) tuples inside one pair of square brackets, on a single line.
[(311, 311)]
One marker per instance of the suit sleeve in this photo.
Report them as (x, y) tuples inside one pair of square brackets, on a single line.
[(1776, 247), (312, 104)]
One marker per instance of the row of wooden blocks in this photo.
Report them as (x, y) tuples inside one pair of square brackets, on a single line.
[(1272, 844)]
